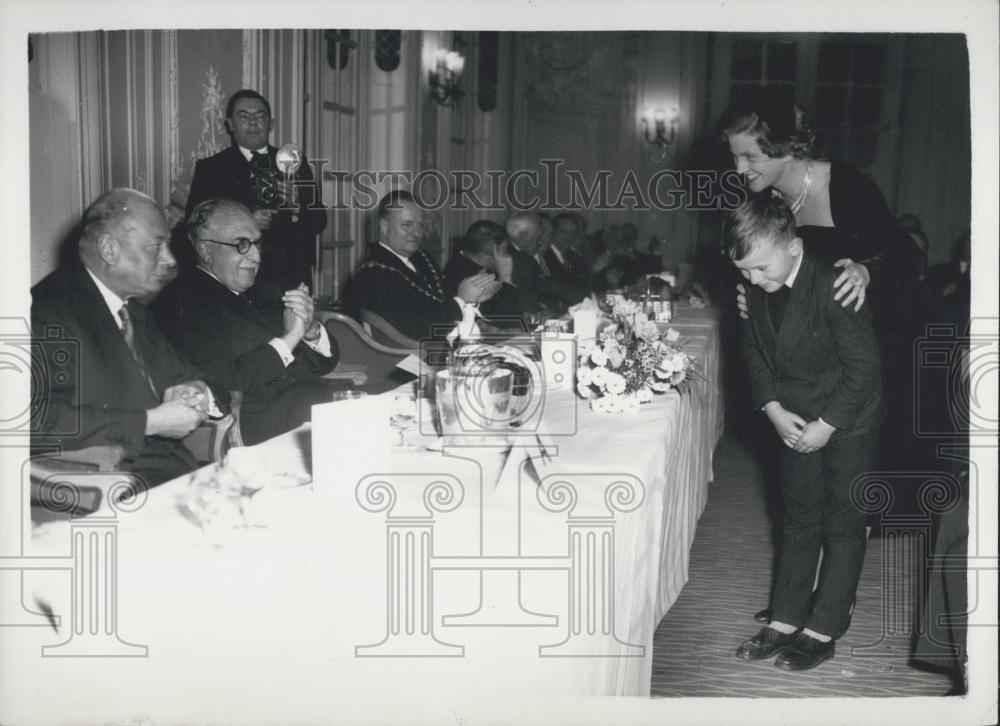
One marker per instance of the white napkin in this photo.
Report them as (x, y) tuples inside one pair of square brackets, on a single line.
[(467, 329)]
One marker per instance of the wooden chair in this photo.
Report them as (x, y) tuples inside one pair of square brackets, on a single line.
[(77, 482), (384, 332), (372, 363)]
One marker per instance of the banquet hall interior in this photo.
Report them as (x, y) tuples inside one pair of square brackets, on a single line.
[(621, 130)]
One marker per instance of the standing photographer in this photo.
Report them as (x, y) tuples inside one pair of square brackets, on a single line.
[(289, 218)]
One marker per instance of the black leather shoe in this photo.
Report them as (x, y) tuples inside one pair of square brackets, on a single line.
[(766, 643), (763, 616), (805, 653)]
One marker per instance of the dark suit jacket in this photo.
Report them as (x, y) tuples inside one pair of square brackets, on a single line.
[(415, 303), (102, 399), (509, 301), (288, 251), (824, 361), (574, 270), (553, 292), (227, 335)]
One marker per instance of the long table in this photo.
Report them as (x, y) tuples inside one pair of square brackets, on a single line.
[(393, 574)]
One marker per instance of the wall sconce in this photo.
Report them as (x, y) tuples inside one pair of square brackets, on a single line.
[(659, 128), (444, 78)]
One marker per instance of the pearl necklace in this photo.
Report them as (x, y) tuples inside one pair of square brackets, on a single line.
[(801, 199)]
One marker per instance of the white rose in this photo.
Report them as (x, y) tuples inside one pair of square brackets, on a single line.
[(583, 376), (584, 391), (616, 357), (646, 330), (598, 357), (615, 384), (672, 336), (598, 376)]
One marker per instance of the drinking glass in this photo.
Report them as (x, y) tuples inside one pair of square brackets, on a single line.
[(204, 499), (404, 415)]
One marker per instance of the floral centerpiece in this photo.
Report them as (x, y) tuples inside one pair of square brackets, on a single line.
[(630, 362)]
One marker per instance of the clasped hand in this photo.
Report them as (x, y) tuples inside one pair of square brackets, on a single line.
[(795, 432), (184, 407), (478, 288), (299, 315)]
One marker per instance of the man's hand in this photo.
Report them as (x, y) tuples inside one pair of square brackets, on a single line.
[(478, 288), (194, 394), (741, 301), (173, 419), (299, 315), (504, 263), (263, 217), (852, 283), (788, 425), (814, 437)]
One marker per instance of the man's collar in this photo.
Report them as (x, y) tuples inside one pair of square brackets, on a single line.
[(111, 298), (248, 154), (212, 275), (402, 259), (795, 270)]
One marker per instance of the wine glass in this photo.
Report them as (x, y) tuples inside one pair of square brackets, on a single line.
[(404, 415), (204, 499), (243, 475)]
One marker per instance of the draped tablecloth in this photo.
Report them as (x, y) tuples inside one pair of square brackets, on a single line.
[(463, 571)]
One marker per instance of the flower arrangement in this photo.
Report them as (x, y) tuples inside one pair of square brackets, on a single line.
[(630, 362)]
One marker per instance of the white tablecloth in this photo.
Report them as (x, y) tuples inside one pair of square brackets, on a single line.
[(266, 626)]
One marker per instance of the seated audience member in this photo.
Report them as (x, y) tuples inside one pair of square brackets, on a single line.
[(403, 284), (244, 331), (289, 215), (130, 388), (564, 261), (524, 230), (478, 253)]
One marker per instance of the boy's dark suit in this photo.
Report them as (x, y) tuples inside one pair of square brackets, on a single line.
[(288, 248), (823, 362), (104, 398), (228, 336)]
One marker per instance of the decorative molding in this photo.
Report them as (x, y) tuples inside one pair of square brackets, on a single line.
[(171, 138)]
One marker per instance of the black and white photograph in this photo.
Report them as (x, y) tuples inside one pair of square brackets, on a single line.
[(527, 362)]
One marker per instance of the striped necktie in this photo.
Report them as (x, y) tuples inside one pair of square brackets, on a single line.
[(128, 332)]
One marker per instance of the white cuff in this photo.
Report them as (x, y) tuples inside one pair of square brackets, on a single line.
[(281, 348), (322, 344)]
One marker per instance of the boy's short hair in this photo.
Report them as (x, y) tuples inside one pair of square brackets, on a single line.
[(762, 217)]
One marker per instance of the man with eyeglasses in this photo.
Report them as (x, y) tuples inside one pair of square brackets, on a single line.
[(244, 331), (290, 215)]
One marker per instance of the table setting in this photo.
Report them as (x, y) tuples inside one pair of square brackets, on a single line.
[(450, 522)]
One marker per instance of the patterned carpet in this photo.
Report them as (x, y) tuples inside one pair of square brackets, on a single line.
[(730, 575)]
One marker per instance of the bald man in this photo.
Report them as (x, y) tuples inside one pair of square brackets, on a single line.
[(525, 231), (124, 384)]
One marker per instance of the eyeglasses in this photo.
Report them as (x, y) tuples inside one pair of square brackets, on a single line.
[(242, 244)]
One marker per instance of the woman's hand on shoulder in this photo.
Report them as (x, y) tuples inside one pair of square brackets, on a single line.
[(852, 283)]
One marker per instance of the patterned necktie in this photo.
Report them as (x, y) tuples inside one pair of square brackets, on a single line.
[(776, 304), (128, 332)]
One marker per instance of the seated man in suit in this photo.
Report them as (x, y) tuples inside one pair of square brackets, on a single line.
[(564, 262), (127, 386), (403, 284), (525, 230), (243, 331), (478, 252), (247, 172)]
